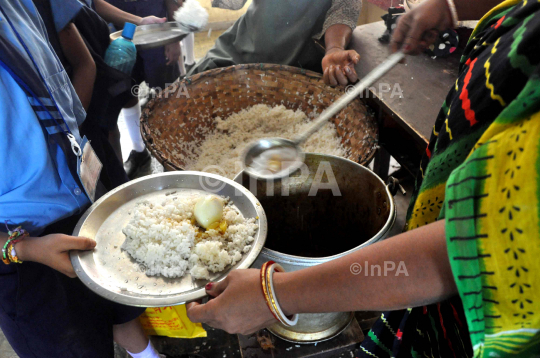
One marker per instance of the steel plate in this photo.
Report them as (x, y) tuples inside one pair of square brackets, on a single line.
[(155, 35), (113, 274)]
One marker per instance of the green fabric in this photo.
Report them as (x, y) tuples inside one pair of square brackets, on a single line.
[(475, 139), (492, 238)]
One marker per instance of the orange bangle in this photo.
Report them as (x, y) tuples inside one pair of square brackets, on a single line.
[(264, 286), (269, 273)]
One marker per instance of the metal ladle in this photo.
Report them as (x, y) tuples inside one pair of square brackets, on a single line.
[(255, 149)]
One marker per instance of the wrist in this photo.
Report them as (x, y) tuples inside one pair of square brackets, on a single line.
[(24, 249), (333, 49), (285, 296)]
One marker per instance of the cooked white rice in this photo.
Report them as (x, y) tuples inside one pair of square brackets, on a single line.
[(165, 239), (224, 146)]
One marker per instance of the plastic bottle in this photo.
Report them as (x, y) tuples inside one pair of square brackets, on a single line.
[(121, 53)]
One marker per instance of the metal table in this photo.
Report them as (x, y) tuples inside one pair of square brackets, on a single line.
[(406, 100)]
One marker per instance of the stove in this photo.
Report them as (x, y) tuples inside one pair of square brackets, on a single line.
[(265, 345)]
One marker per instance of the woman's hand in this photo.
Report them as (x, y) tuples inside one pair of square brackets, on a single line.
[(420, 27), (423, 276), (53, 250), (338, 66), (172, 53), (152, 20), (239, 306)]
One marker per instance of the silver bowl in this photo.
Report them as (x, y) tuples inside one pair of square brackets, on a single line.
[(114, 275)]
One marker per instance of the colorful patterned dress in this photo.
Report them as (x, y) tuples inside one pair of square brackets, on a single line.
[(480, 174)]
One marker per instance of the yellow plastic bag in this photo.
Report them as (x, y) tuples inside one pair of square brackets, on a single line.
[(170, 322)]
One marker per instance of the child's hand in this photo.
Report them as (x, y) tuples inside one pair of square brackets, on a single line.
[(53, 250)]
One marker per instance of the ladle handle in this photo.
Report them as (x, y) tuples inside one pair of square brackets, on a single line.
[(350, 95)]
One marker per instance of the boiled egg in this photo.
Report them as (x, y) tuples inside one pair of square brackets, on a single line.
[(208, 210)]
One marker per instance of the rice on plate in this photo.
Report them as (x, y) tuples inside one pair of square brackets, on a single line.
[(167, 241)]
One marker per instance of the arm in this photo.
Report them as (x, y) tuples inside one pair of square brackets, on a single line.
[(331, 287), (429, 277), (113, 14), (172, 6), (419, 28), (338, 63), (337, 36), (51, 250), (84, 68), (172, 50), (118, 17)]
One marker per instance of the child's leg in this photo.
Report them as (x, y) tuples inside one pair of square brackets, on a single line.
[(132, 338), (114, 140)]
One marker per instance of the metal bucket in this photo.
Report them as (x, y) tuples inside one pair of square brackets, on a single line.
[(331, 208)]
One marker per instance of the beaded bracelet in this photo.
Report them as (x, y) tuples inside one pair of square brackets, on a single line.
[(12, 253), (5, 257), (8, 251)]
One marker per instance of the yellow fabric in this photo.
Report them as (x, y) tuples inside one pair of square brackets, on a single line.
[(493, 232), (512, 224), (427, 207), (171, 321), (503, 5)]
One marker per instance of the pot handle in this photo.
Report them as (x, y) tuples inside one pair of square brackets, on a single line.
[(393, 185)]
